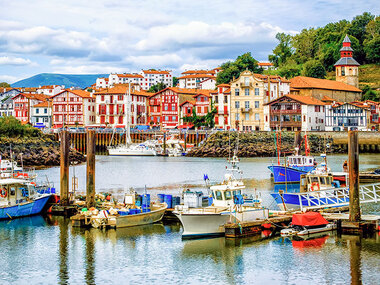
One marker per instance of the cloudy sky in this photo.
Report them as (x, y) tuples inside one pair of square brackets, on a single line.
[(103, 36)]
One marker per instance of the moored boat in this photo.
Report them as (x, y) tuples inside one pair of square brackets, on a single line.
[(308, 223), (18, 198)]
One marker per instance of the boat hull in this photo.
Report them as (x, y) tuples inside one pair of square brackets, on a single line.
[(306, 232), (140, 219), (25, 209), (202, 225), (291, 201), (282, 174), (131, 153)]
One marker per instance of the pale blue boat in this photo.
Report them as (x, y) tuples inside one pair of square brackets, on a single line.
[(18, 198)]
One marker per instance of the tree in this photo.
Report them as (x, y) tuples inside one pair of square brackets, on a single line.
[(372, 42), (157, 87), (175, 81), (199, 121), (290, 69), (11, 127), (233, 69), (282, 51), (369, 94), (4, 84), (314, 68)]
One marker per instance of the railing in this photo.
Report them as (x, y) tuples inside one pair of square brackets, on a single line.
[(246, 110), (293, 111), (337, 197)]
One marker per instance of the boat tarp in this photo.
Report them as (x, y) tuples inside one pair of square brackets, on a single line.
[(309, 219)]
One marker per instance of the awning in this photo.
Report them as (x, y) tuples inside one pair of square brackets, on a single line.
[(309, 219)]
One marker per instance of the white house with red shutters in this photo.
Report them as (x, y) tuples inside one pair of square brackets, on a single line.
[(50, 90), (221, 99), (73, 108), (22, 104), (153, 77), (165, 105), (112, 105)]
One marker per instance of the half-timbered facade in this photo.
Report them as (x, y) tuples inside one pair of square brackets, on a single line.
[(347, 116), (294, 112), (22, 104), (221, 99), (73, 108)]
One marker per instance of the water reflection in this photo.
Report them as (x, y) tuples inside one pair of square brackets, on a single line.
[(90, 257), (63, 275), (355, 259)]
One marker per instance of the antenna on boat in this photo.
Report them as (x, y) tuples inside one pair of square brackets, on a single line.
[(10, 147)]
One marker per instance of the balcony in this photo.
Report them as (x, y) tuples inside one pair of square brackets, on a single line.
[(244, 84), (246, 110), (223, 112), (292, 111), (284, 124)]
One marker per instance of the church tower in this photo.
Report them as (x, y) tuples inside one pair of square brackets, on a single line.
[(347, 68)]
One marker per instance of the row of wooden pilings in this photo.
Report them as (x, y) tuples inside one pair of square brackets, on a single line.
[(78, 141)]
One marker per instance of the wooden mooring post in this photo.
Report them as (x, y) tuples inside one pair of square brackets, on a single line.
[(185, 140), (164, 143), (297, 139), (353, 167), (90, 178), (64, 168)]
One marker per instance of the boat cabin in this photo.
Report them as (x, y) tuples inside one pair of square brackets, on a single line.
[(223, 194), (14, 191), (316, 182), (301, 160)]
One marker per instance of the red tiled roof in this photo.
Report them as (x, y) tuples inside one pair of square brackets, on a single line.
[(43, 104), (125, 75), (306, 100), (34, 96), (187, 101), (198, 72), (303, 82), (80, 93), (116, 89), (152, 71), (224, 85), (197, 76), (327, 99), (265, 64)]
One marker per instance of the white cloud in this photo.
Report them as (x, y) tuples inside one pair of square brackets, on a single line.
[(8, 60), (9, 78)]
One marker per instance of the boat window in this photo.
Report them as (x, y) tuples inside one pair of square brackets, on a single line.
[(314, 179), (227, 194), (323, 180), (13, 191), (218, 195), (238, 192), (299, 161), (328, 180), (309, 180), (311, 161), (213, 195)]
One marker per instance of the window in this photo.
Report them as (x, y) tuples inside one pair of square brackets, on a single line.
[(257, 91), (216, 99), (166, 107), (257, 104), (343, 71), (257, 117), (237, 104), (45, 111), (225, 99), (37, 110), (173, 118), (246, 91), (228, 195), (218, 195), (246, 117), (237, 117), (246, 104), (237, 91), (173, 107), (166, 118)]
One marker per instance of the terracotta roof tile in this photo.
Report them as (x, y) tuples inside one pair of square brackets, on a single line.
[(306, 100), (197, 76), (152, 71), (303, 82), (198, 72)]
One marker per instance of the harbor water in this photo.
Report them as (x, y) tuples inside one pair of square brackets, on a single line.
[(48, 250)]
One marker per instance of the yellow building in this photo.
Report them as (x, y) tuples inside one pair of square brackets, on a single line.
[(249, 93)]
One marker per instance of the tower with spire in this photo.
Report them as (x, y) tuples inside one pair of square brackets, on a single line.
[(347, 68)]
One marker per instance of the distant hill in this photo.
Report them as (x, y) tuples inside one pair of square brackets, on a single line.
[(76, 80)]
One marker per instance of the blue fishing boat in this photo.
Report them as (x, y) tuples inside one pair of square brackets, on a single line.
[(19, 198)]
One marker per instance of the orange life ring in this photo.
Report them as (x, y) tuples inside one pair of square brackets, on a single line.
[(3, 193), (33, 183), (315, 186)]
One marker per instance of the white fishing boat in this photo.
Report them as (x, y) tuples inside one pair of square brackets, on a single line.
[(129, 148), (308, 223), (228, 206)]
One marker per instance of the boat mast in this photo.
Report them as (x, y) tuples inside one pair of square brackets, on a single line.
[(128, 129)]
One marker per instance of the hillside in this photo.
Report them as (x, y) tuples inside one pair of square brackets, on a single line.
[(76, 80), (369, 74)]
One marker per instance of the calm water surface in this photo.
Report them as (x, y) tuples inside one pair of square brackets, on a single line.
[(48, 250)]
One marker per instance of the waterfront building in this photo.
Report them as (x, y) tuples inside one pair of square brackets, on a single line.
[(28, 90), (347, 116), (73, 108), (221, 99), (375, 114), (41, 114), (164, 106), (295, 113), (146, 79), (319, 88), (249, 93), (6, 101), (347, 68), (265, 65), (102, 82), (197, 81), (50, 90), (111, 105), (22, 104), (153, 77)]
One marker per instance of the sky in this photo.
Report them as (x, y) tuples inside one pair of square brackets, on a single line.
[(104, 36)]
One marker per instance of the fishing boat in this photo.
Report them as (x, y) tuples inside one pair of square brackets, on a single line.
[(228, 206), (308, 223), (129, 148), (18, 198), (294, 166)]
